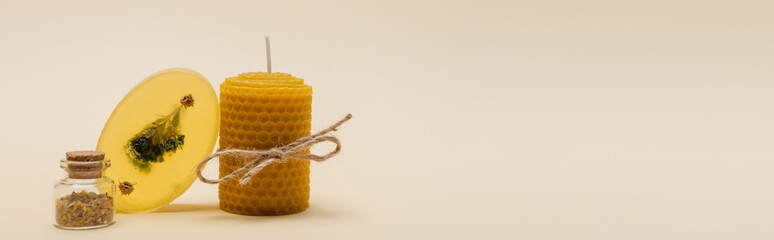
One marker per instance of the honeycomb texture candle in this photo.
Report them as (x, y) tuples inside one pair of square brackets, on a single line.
[(262, 111)]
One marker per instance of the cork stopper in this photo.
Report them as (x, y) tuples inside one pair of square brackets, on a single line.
[(85, 164)]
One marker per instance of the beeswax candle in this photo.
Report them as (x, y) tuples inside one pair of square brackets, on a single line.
[(261, 111)]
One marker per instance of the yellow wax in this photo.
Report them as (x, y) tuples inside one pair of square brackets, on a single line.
[(262, 111)]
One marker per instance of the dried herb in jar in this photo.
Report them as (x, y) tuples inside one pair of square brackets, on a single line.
[(84, 209)]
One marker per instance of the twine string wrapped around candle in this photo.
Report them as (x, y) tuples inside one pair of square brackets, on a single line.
[(262, 158)]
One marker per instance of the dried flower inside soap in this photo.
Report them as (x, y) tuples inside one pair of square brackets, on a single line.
[(187, 101), (126, 187), (159, 138), (84, 209)]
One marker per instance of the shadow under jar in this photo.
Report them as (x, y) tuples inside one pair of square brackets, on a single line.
[(84, 198)]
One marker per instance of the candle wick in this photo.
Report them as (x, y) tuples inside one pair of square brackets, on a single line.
[(268, 54)]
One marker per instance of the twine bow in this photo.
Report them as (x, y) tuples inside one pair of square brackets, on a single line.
[(262, 158)]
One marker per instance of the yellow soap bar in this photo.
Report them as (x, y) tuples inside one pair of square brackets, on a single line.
[(262, 111), (156, 136)]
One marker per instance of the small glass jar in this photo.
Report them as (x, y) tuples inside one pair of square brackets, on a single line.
[(84, 198)]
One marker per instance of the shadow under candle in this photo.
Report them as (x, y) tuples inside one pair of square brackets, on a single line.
[(314, 212)]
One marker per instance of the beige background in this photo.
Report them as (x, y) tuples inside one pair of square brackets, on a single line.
[(473, 120)]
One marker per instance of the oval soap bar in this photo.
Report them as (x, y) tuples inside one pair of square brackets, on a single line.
[(157, 135)]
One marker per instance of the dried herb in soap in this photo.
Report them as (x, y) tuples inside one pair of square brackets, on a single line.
[(159, 138), (84, 209), (126, 187), (187, 101)]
